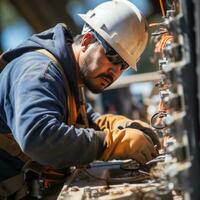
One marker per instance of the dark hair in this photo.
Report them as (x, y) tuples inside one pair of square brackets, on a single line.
[(77, 39)]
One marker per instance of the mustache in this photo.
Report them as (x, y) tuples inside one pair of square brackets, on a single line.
[(107, 76)]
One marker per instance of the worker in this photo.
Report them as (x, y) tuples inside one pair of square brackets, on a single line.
[(43, 107)]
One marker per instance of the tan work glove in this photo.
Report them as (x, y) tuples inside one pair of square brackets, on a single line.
[(128, 143), (119, 122)]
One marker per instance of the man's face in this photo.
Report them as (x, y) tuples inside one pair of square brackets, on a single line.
[(97, 72)]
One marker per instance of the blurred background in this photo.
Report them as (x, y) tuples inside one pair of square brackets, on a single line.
[(134, 94)]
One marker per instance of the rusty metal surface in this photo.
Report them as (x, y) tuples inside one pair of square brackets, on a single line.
[(114, 181)]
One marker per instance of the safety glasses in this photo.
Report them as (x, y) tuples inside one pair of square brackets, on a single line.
[(110, 53)]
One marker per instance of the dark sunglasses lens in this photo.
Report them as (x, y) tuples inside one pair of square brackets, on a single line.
[(113, 59), (124, 66), (116, 60), (111, 54)]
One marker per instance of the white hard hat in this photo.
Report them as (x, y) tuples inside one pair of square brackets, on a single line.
[(122, 26)]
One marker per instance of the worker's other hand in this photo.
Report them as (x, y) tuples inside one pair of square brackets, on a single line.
[(128, 143)]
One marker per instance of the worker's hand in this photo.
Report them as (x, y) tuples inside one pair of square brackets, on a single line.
[(119, 122), (140, 125), (129, 143)]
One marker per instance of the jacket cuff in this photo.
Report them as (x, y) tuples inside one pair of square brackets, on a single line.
[(102, 143)]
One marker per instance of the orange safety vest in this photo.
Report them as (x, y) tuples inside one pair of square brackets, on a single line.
[(73, 113)]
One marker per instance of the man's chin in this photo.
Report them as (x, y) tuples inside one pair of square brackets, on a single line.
[(94, 89)]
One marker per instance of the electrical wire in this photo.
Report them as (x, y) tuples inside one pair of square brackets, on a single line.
[(162, 8)]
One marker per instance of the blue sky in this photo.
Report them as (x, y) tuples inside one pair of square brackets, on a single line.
[(14, 34)]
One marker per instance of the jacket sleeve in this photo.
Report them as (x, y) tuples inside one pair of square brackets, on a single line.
[(92, 116), (38, 124)]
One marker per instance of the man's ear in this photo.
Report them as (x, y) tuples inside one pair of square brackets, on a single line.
[(87, 39)]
